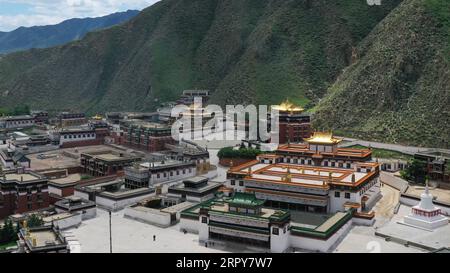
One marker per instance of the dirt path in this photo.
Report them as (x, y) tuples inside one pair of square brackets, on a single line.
[(384, 209)]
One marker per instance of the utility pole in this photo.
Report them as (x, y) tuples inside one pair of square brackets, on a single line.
[(110, 233)]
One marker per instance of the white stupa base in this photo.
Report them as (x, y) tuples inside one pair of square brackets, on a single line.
[(431, 223)]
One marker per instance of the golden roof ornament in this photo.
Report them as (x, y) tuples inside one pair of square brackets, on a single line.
[(323, 138)]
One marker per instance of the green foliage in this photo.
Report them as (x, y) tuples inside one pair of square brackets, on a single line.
[(17, 110), (7, 232), (86, 177), (441, 11), (230, 152), (416, 171), (34, 221)]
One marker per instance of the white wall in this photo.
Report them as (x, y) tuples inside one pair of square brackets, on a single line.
[(190, 225), (155, 180), (319, 245), (152, 216), (69, 222), (279, 243), (82, 195), (121, 204), (54, 190), (63, 140)]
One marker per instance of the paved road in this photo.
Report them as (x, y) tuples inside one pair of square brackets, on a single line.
[(394, 147), (393, 181)]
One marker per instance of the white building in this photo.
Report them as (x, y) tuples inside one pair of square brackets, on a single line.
[(425, 214)]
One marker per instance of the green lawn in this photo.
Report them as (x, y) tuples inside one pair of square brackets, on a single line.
[(5, 246), (383, 153)]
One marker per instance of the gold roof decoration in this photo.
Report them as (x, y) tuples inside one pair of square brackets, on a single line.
[(323, 138), (288, 106), (97, 117)]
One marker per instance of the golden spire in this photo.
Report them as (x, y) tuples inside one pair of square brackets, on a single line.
[(288, 106), (323, 138)]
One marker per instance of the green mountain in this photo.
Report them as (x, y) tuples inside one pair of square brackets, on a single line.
[(243, 50), (399, 88), (25, 38), (359, 67)]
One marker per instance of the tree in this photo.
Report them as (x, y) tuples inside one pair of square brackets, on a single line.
[(8, 233), (416, 171), (35, 221)]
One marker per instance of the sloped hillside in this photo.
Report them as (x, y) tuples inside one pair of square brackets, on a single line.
[(242, 50), (399, 89)]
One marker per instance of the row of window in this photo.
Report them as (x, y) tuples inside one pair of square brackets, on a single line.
[(233, 183), (158, 175), (276, 231), (337, 194), (79, 136)]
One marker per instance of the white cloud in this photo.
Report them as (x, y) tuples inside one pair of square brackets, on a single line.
[(46, 12)]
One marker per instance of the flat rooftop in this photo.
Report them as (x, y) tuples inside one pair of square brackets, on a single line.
[(45, 237), (304, 149), (70, 179), (302, 174), (25, 177)]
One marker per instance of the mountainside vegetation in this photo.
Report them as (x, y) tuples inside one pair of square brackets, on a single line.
[(375, 72), (399, 89)]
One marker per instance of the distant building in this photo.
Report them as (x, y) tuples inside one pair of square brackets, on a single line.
[(17, 122), (66, 119), (188, 96), (73, 204), (195, 189), (22, 191), (146, 136), (106, 162), (112, 194), (436, 164), (294, 124), (150, 173), (11, 158), (40, 117), (92, 134)]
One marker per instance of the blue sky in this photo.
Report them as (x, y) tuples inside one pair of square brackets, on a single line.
[(17, 13)]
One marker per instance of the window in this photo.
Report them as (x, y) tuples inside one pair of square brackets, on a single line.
[(337, 194), (275, 231), (29, 206), (241, 183), (347, 195), (204, 220), (233, 182)]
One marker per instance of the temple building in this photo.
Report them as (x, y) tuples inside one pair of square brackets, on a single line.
[(243, 218), (22, 191), (426, 214), (195, 189), (106, 162), (67, 119), (294, 124), (148, 174), (17, 122), (144, 135), (317, 177)]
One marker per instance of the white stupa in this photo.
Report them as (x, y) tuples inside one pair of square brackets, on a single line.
[(425, 214)]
